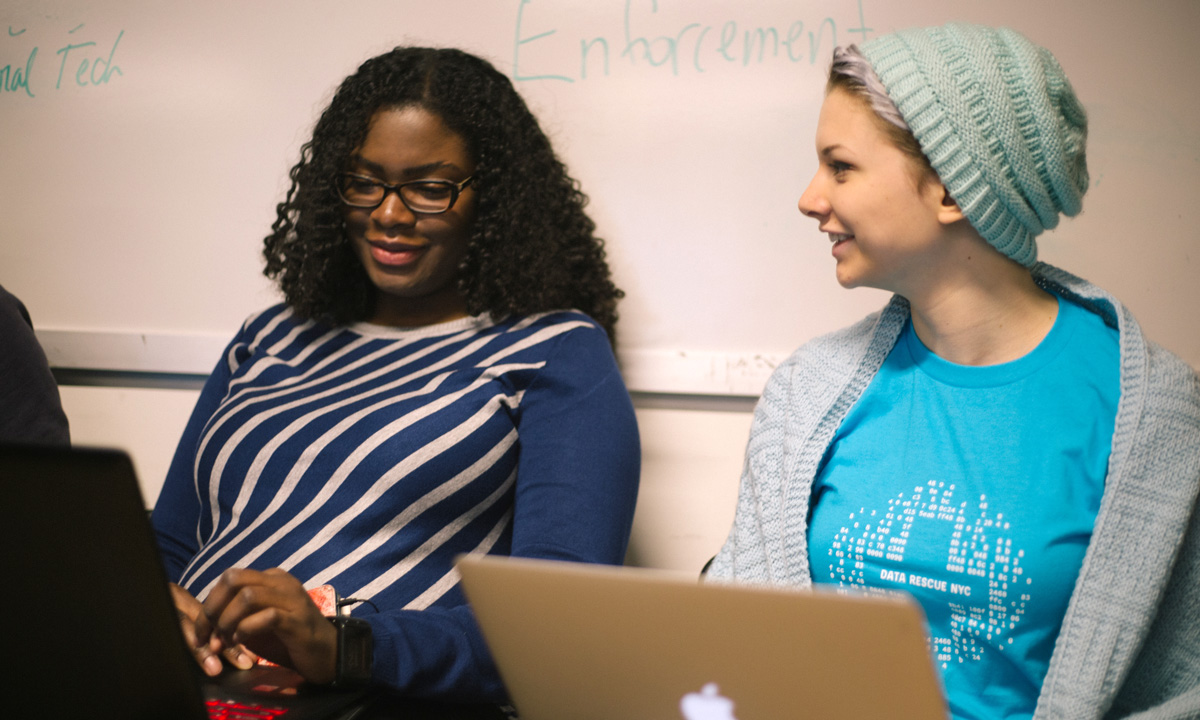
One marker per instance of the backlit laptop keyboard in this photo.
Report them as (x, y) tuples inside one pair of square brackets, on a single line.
[(230, 710)]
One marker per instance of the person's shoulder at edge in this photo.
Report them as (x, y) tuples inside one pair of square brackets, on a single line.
[(32, 405), (13, 315)]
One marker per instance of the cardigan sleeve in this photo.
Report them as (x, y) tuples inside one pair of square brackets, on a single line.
[(758, 521), (577, 481), (1164, 683), (1164, 680)]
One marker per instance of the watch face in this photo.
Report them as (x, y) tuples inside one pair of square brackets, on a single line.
[(356, 649)]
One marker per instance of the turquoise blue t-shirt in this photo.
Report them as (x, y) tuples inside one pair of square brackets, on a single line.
[(975, 489)]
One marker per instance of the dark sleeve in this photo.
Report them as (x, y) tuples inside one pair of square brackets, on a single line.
[(576, 487), (176, 513), (30, 408)]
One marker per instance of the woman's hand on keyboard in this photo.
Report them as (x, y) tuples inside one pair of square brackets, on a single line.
[(271, 614), (206, 654)]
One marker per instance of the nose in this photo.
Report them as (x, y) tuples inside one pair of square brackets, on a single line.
[(393, 211), (813, 201)]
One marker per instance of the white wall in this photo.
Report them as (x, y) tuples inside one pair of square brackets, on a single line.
[(135, 202), (691, 460)]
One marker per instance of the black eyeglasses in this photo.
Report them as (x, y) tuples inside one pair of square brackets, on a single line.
[(428, 197)]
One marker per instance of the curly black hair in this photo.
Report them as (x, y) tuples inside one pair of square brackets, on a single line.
[(532, 247)]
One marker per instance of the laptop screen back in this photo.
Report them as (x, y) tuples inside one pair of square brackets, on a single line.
[(586, 642), (90, 624)]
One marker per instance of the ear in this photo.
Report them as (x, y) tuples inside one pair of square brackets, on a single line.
[(948, 212)]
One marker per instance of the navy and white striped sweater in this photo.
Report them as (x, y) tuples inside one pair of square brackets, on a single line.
[(368, 457)]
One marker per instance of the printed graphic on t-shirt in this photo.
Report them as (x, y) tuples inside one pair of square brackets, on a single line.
[(982, 583)]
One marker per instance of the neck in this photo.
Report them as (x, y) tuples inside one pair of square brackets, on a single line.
[(407, 312), (985, 311)]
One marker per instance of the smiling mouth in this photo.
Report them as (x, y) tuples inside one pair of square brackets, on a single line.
[(836, 238), (396, 246), (395, 254)]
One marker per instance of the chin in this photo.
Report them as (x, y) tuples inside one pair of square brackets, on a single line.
[(856, 275), (848, 280)]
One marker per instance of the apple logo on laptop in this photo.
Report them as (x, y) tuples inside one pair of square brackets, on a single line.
[(708, 704)]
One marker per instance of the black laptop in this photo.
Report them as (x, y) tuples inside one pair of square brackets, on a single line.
[(90, 628)]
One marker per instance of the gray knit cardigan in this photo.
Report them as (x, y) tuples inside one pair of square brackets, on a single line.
[(1130, 640)]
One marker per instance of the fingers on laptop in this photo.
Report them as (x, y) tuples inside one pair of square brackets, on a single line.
[(271, 612), (208, 654)]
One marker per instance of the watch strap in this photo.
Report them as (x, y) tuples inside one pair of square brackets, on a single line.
[(355, 652)]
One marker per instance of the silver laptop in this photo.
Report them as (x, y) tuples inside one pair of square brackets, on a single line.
[(584, 641)]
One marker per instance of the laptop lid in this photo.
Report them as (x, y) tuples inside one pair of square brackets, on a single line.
[(92, 630), (92, 614), (584, 641)]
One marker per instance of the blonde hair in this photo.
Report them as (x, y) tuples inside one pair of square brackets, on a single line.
[(851, 72)]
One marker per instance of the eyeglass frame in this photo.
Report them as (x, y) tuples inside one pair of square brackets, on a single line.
[(455, 191)]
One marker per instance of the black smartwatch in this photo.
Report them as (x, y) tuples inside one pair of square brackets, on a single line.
[(355, 652)]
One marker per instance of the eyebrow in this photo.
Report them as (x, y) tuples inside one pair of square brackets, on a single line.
[(829, 149), (416, 171)]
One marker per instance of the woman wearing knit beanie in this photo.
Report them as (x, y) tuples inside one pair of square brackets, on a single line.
[(1000, 441)]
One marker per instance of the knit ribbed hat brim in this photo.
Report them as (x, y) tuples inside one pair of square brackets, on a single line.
[(999, 122)]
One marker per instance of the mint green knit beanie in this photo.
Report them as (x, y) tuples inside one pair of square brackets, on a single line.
[(999, 122)]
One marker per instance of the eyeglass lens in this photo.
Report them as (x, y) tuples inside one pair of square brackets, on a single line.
[(425, 196)]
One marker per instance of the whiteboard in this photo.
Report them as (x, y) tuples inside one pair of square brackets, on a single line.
[(145, 145)]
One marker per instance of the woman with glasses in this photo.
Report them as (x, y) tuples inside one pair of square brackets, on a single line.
[(1000, 442), (439, 380)]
